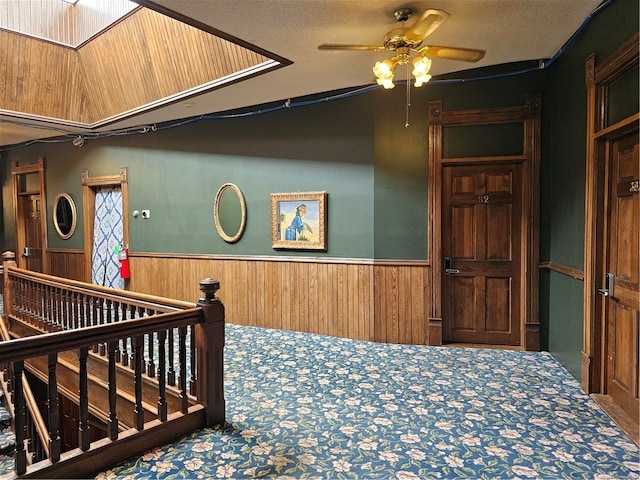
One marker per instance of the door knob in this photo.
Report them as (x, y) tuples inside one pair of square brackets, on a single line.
[(447, 267)]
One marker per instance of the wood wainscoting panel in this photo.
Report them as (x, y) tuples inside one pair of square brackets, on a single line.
[(400, 304), (66, 263), (354, 299)]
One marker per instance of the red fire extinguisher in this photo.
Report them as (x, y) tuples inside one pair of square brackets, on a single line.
[(123, 258)]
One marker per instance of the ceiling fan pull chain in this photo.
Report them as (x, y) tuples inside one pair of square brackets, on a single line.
[(406, 124)]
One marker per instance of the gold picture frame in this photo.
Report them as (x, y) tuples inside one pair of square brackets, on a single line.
[(299, 221)]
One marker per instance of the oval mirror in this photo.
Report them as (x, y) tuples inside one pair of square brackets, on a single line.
[(230, 213), (65, 215)]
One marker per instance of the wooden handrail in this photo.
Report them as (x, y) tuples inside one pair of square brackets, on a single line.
[(29, 347), (104, 292)]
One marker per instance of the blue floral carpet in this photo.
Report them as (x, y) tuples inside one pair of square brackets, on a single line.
[(314, 407)]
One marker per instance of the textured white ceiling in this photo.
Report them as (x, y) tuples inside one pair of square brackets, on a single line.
[(509, 31)]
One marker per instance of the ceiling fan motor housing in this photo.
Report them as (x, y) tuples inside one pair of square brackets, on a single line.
[(396, 39)]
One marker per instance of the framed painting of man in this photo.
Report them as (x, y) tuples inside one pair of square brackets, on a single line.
[(299, 221)]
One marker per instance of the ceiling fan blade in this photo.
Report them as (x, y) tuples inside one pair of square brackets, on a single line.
[(430, 20), (338, 46), (453, 53)]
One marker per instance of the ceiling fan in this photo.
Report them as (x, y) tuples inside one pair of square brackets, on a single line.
[(406, 43)]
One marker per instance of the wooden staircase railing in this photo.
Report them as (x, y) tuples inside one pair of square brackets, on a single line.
[(38, 445), (53, 316)]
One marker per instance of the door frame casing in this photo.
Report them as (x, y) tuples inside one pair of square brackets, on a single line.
[(16, 172), (528, 114), (89, 186), (598, 78)]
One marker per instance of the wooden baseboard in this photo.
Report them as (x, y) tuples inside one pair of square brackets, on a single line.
[(532, 337), (435, 332), (585, 373), (619, 416)]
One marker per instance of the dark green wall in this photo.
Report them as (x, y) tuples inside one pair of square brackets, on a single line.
[(358, 149), (175, 173), (563, 172), (402, 153)]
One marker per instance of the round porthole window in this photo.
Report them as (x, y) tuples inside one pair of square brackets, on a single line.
[(65, 215)]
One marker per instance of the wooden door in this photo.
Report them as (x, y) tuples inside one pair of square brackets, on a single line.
[(622, 290), (481, 251), (32, 214)]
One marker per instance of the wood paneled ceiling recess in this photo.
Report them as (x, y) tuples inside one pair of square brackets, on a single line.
[(143, 60)]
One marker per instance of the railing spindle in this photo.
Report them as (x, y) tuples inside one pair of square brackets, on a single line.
[(124, 351), (39, 307), (162, 401), (24, 302), (192, 359), (18, 299), (73, 310), (116, 318), (182, 355), (30, 294), (49, 314), (95, 318), (108, 318), (66, 307), (54, 411), (113, 415), (84, 440), (138, 414), (55, 311), (20, 454), (171, 374), (43, 304), (131, 315), (151, 366), (84, 310)]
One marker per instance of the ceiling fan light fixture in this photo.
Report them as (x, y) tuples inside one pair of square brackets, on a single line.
[(384, 72), (421, 67), (386, 83), (384, 69), (422, 79)]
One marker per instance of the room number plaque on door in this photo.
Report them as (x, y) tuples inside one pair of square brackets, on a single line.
[(481, 199)]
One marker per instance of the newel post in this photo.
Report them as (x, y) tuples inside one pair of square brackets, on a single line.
[(8, 260), (210, 359)]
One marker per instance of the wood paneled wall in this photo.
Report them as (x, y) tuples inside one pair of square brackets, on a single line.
[(123, 69), (37, 76), (364, 300), (129, 66), (66, 263)]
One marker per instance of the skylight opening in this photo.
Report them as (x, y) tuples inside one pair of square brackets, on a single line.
[(66, 22)]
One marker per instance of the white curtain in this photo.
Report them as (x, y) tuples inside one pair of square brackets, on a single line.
[(108, 235)]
